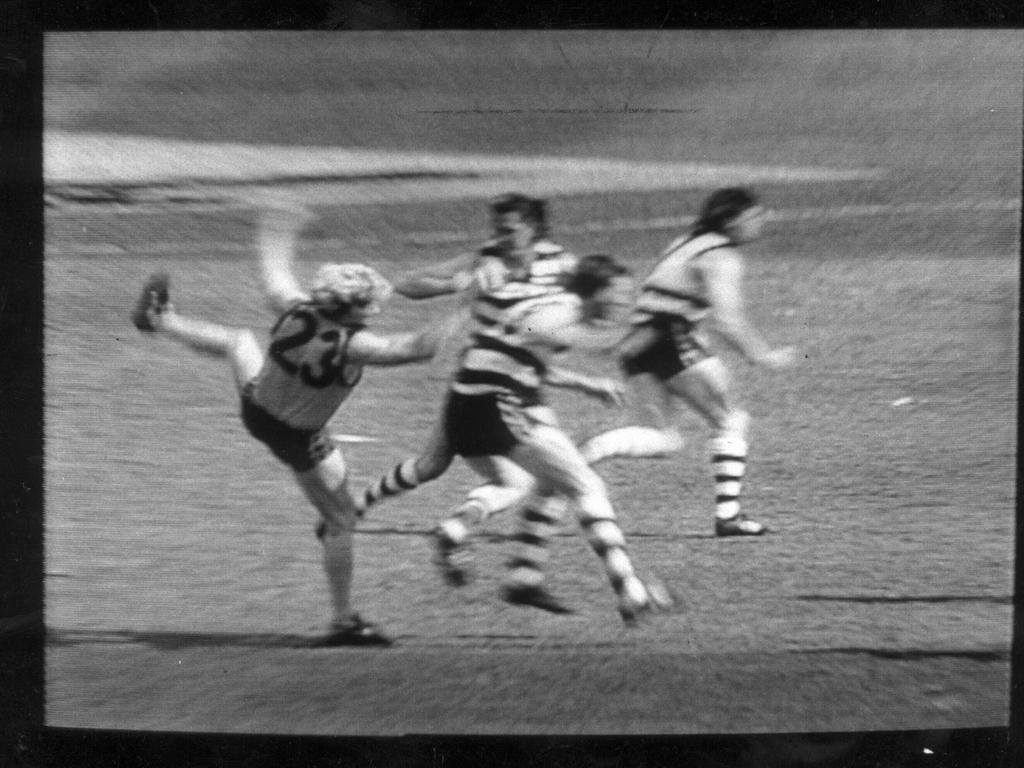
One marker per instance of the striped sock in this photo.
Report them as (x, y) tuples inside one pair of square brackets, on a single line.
[(537, 523), (606, 539), (399, 479), (728, 462)]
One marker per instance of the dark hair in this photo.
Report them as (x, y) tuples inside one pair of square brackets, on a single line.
[(532, 209), (722, 206), (592, 274)]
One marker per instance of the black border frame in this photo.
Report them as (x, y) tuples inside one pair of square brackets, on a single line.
[(24, 739)]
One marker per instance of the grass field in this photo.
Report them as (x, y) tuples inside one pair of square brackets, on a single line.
[(181, 570)]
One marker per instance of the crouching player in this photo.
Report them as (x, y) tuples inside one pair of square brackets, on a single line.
[(315, 358), (495, 412)]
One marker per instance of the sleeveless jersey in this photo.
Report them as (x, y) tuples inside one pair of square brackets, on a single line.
[(306, 377), (675, 288), (503, 357)]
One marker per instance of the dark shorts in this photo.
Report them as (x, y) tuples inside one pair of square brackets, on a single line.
[(484, 425), (300, 449), (672, 349)]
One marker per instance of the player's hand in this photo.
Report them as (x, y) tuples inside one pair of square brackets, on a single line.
[(608, 391), (490, 273), (775, 359), (462, 280)]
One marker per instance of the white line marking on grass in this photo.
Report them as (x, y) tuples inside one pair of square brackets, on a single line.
[(341, 437), (354, 246)]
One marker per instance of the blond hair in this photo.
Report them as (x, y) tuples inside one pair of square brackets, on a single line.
[(350, 284)]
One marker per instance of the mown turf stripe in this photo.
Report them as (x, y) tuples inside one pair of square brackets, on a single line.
[(457, 237), (86, 158)]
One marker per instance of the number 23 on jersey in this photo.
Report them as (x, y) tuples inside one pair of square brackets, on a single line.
[(300, 348)]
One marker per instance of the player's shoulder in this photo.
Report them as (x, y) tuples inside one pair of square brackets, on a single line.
[(551, 262), (724, 254), (692, 244), (291, 306), (548, 252), (545, 248), (702, 250)]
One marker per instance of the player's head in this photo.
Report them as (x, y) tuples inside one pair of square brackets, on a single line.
[(518, 220), (352, 290), (732, 211), (604, 284)]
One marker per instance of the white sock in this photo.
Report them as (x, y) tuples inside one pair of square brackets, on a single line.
[(337, 560), (631, 442)]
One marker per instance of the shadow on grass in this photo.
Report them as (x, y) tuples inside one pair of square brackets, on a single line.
[(896, 599), (171, 640)]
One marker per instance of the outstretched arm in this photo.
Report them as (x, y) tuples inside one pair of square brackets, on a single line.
[(467, 273), (371, 348), (276, 239), (723, 275), (441, 279)]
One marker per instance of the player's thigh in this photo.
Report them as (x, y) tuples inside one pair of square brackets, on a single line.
[(510, 485), (437, 453), (246, 357), (511, 474), (326, 488), (704, 386), (490, 468), (548, 454)]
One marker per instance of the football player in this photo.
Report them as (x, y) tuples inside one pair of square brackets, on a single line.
[(521, 251), (318, 348), (495, 413), (698, 279)]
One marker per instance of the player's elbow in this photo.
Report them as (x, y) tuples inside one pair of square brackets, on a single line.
[(281, 301), (412, 349), (409, 289), (423, 347)]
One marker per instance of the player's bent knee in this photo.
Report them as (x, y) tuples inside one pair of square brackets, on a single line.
[(497, 498), (604, 534), (739, 421), (431, 467), (582, 485), (326, 529), (673, 440), (735, 423), (246, 355)]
